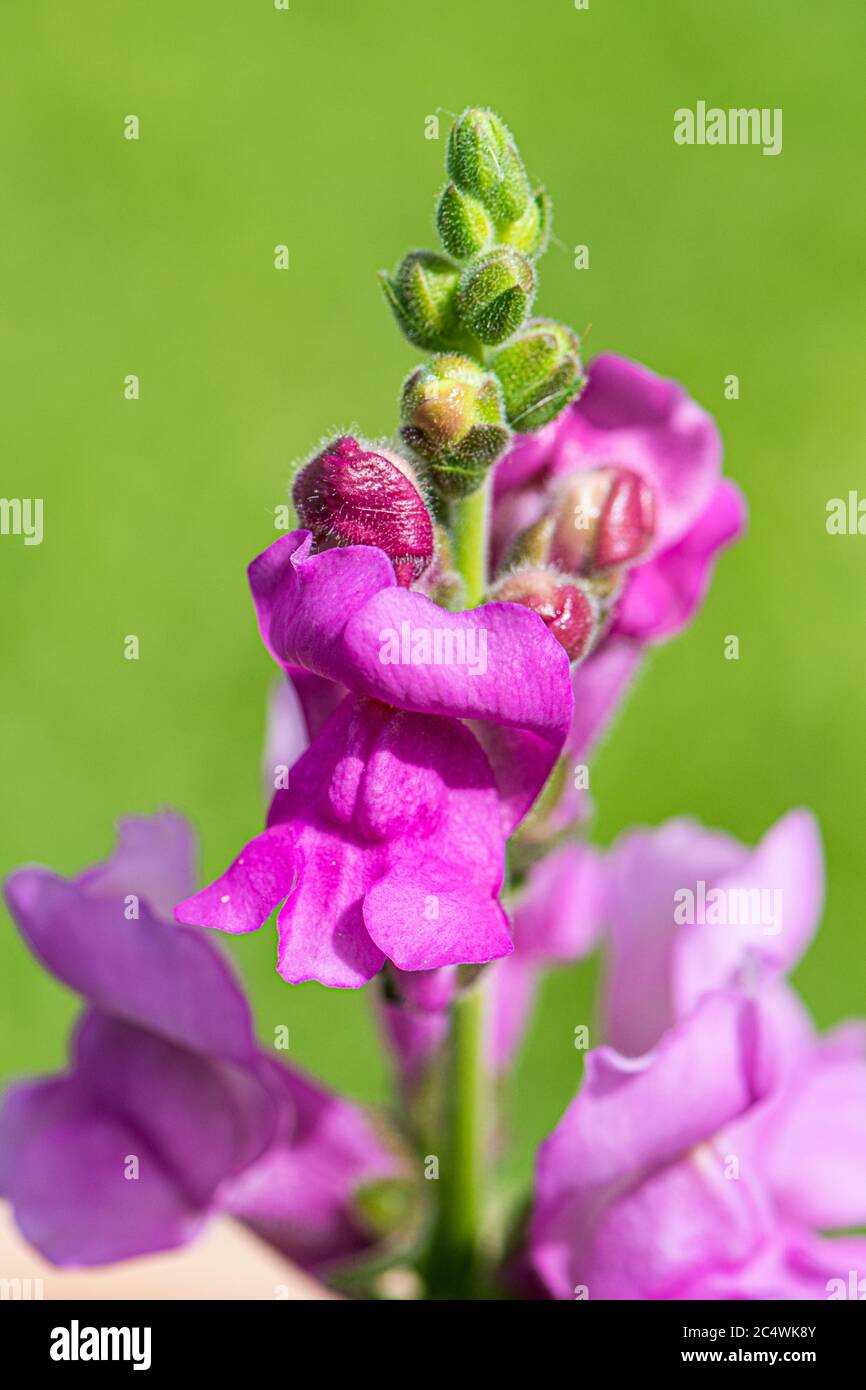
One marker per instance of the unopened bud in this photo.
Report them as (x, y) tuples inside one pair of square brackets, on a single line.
[(531, 232), (539, 372), (483, 160), (495, 294), (605, 517), (464, 224), (423, 295), (453, 418), (349, 495), (565, 605)]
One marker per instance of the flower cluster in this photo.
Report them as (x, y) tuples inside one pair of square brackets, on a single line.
[(456, 619)]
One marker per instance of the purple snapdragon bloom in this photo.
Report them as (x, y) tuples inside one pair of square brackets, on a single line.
[(169, 1111), (706, 1168), (388, 843), (625, 489), (689, 910)]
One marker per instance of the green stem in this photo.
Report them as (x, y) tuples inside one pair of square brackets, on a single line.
[(453, 1266), (453, 1269), (470, 534)]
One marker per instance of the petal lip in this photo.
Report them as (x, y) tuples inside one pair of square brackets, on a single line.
[(469, 929), (624, 1138), (255, 883), (166, 978)]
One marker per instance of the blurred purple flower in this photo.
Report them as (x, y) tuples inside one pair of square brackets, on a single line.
[(629, 422), (170, 1111), (706, 1168), (389, 841), (689, 910)]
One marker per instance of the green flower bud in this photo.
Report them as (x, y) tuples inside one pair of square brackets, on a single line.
[(531, 232), (483, 161), (495, 293), (464, 225), (423, 295), (453, 418), (539, 372)]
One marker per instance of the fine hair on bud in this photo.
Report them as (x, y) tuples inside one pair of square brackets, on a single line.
[(422, 294), (355, 494), (540, 373), (453, 418), (495, 294)]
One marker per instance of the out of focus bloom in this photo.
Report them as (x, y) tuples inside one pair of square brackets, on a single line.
[(623, 488), (707, 1168), (690, 910), (169, 1111), (389, 841)]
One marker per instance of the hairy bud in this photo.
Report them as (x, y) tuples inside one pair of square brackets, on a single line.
[(453, 418), (540, 373), (463, 223), (495, 293), (423, 296), (531, 232), (483, 161), (349, 495)]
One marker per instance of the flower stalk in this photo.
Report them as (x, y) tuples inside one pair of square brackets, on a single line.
[(454, 1263)]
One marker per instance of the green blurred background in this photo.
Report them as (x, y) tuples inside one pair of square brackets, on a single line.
[(307, 127)]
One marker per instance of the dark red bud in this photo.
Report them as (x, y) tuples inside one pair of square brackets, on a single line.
[(349, 495), (567, 609)]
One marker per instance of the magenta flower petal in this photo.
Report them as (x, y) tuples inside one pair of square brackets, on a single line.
[(398, 804), (634, 1122), (412, 1036), (163, 977), (303, 602), (557, 918), (300, 1195), (518, 685), (560, 912), (323, 935), (630, 418), (468, 922), (62, 1167), (659, 966), (645, 871), (176, 1097), (810, 1144), (154, 858), (244, 897), (784, 878), (391, 824), (662, 595), (792, 1267), (169, 1107)]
